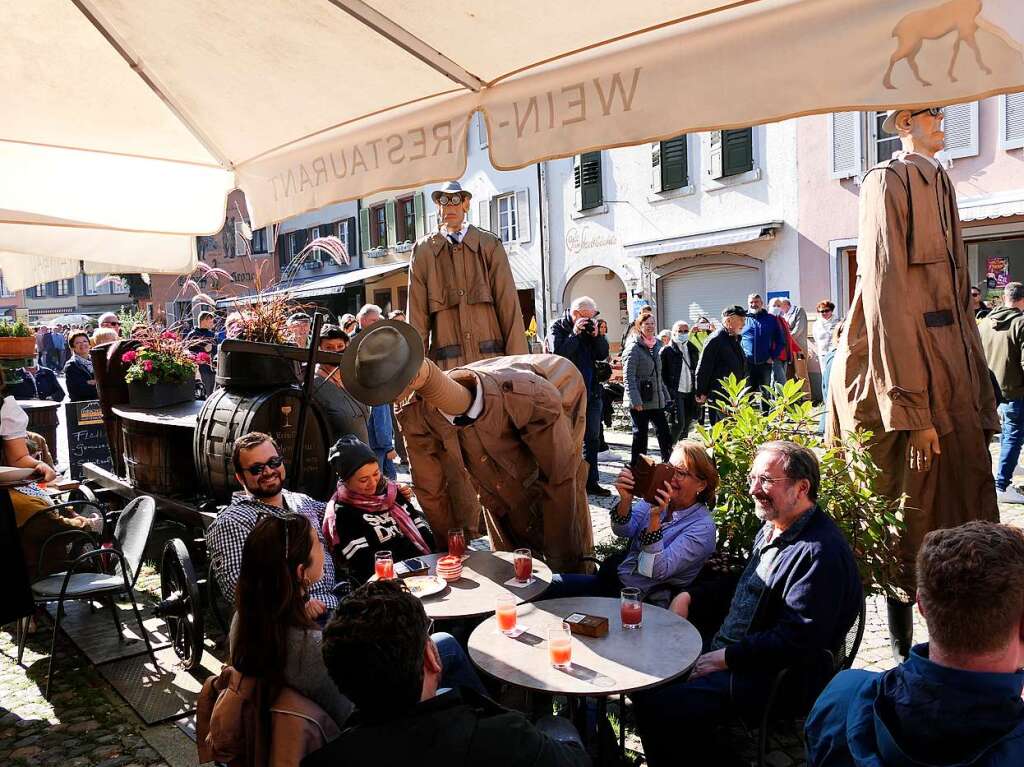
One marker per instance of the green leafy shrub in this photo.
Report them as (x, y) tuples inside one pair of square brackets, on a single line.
[(871, 523), (14, 329)]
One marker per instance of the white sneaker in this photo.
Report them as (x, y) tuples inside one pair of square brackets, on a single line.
[(608, 456), (1009, 495)]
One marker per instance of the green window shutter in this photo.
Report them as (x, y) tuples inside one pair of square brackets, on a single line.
[(389, 212), (591, 194), (419, 208), (737, 151), (673, 163), (656, 167), (364, 230)]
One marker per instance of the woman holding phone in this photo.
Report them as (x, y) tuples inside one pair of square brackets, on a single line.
[(646, 394), (370, 513)]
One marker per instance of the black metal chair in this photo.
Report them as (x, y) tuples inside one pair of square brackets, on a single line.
[(785, 703), (124, 559)]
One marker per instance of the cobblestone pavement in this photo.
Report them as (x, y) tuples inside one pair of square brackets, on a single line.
[(86, 723)]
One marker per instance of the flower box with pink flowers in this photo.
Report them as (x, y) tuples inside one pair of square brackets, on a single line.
[(162, 371)]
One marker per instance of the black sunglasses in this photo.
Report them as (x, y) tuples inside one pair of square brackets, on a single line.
[(257, 468), (450, 199), (933, 111)]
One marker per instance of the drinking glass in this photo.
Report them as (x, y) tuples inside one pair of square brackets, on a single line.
[(456, 542), (631, 608), (522, 560), (505, 610), (384, 565), (560, 646)]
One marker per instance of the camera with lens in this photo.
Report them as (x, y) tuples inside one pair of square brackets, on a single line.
[(590, 327)]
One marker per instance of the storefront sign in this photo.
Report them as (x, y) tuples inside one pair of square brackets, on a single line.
[(586, 237)]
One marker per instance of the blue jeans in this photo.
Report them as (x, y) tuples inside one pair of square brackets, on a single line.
[(826, 373), (778, 372), (387, 466), (592, 436), (456, 669), (759, 375), (1011, 440)]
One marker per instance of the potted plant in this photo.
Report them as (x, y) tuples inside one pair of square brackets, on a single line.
[(16, 341), (870, 522), (161, 371)]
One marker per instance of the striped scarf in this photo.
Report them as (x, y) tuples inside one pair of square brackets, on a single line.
[(384, 502)]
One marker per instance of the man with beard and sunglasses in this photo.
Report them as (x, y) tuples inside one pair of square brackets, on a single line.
[(260, 470), (796, 599)]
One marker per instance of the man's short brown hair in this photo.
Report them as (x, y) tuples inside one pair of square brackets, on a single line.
[(248, 442), (970, 582)]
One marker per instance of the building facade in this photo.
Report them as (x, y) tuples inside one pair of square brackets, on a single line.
[(985, 161), (89, 294), (688, 225)]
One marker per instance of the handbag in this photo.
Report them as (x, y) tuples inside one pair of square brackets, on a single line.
[(647, 390)]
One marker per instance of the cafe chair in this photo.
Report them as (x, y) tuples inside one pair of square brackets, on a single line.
[(791, 700), (84, 580)]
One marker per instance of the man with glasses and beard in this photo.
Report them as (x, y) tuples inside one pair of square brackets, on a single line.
[(796, 599), (260, 470)]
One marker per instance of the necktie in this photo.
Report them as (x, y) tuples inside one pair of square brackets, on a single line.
[(454, 237)]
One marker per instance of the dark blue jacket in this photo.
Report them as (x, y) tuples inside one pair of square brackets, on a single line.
[(581, 349), (812, 596), (77, 374), (763, 338), (919, 713), (46, 386)]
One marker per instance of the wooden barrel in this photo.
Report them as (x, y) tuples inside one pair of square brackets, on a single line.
[(109, 370), (42, 419), (246, 370), (159, 458), (229, 414)]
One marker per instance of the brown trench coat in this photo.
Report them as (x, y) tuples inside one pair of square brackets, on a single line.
[(910, 356), (463, 300), (523, 455)]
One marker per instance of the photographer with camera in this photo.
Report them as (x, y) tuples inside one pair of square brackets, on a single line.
[(575, 337)]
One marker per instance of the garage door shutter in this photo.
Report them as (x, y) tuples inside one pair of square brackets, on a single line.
[(706, 291)]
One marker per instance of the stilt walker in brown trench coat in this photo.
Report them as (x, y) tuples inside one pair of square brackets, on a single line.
[(910, 367), (463, 302), (517, 421)]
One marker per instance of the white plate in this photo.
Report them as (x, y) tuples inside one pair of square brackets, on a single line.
[(14, 474), (425, 585)]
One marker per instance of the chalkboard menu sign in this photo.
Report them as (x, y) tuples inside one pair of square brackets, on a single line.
[(87, 436)]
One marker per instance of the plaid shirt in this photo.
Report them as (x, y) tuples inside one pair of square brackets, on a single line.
[(226, 537)]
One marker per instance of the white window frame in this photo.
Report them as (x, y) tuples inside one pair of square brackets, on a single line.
[(946, 156), (871, 130), (4, 290), (260, 234), (63, 287), (708, 184), (481, 130), (39, 291), (1004, 143), (509, 231)]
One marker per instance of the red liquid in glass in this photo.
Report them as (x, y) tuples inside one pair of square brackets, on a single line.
[(631, 614), (560, 654), (456, 545), (385, 570), (506, 618), (524, 569)]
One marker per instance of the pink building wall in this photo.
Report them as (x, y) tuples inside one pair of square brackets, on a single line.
[(827, 207)]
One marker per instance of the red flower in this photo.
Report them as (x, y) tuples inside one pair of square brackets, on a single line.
[(147, 365), (168, 334), (202, 358), (129, 357)]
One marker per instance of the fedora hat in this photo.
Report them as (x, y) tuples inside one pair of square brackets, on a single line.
[(381, 361), (452, 187)]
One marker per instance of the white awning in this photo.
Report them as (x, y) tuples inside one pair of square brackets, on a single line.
[(992, 206), (703, 240), (327, 286), (141, 115)]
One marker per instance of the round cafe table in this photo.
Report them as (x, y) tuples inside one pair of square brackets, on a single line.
[(663, 648), (484, 574)]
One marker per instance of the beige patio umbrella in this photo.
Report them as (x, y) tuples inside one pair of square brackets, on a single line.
[(134, 118)]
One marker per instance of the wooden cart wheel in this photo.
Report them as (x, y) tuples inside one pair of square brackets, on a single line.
[(180, 606)]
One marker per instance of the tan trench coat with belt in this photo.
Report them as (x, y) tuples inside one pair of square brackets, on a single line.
[(463, 300), (911, 357), (522, 452)]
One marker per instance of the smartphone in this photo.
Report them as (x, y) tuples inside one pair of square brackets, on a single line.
[(408, 567)]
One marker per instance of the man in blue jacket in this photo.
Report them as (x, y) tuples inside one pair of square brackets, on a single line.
[(763, 341), (797, 598), (957, 699)]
